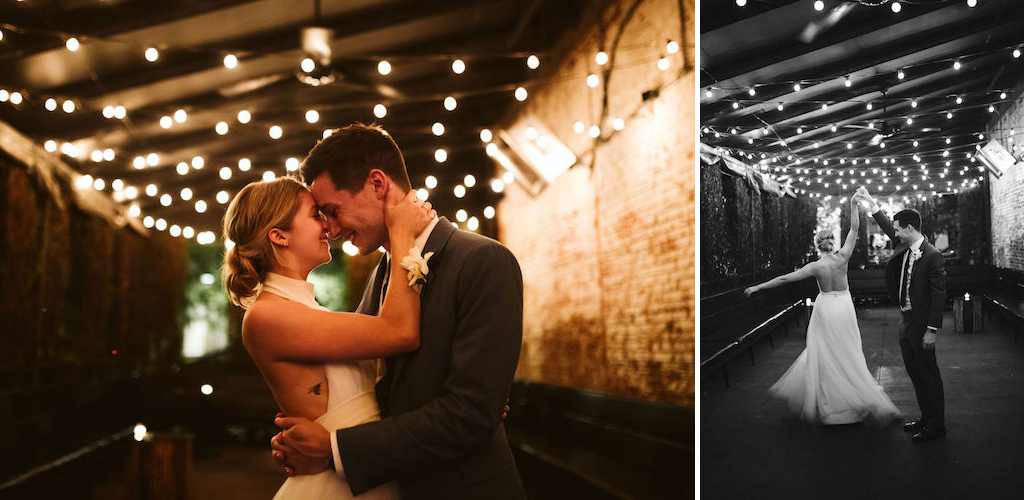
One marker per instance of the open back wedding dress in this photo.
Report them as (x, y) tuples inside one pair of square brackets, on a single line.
[(351, 401), (830, 382)]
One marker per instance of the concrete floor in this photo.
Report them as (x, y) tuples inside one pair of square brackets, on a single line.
[(752, 447)]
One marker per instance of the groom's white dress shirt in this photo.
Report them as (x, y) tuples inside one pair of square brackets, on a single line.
[(915, 249), (419, 242)]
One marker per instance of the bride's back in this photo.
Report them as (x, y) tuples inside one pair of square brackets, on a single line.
[(831, 273)]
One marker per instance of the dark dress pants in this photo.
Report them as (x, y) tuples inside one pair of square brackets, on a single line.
[(924, 372)]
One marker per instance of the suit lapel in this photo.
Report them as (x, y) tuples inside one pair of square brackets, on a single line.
[(436, 243), (370, 305)]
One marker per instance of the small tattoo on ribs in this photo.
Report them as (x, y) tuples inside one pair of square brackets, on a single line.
[(315, 389)]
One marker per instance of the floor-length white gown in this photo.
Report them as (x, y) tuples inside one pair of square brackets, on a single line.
[(830, 382), (351, 401)]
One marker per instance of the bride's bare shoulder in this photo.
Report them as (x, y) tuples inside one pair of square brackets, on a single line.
[(261, 314)]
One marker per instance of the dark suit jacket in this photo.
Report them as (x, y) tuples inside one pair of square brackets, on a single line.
[(442, 435), (927, 281)]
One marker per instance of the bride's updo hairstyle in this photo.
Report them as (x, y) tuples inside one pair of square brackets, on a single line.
[(824, 240), (255, 210)]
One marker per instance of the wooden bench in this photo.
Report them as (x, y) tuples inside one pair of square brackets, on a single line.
[(571, 443), (960, 279), (1005, 297), (731, 323)]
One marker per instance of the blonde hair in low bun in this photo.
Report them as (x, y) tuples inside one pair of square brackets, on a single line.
[(824, 240), (254, 211)]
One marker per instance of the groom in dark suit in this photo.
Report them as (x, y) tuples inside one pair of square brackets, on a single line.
[(916, 279), (442, 434)]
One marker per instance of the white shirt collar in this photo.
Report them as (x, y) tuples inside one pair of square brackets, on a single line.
[(916, 246), (421, 240)]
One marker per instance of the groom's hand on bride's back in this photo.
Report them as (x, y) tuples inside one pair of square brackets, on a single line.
[(303, 447)]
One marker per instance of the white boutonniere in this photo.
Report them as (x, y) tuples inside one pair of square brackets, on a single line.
[(916, 254), (417, 267)]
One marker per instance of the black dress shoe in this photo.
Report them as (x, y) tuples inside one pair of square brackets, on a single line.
[(914, 427), (928, 434)]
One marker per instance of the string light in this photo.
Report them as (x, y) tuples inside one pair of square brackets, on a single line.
[(244, 116), (450, 103), (440, 155), (380, 111), (520, 94), (486, 136), (437, 129), (532, 62), (601, 58), (896, 7), (152, 54), (276, 132), (384, 68), (230, 61), (458, 66), (221, 128)]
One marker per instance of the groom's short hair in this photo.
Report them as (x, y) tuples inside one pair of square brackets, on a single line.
[(349, 153), (908, 216)]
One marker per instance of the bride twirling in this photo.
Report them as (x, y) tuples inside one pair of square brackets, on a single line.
[(830, 382)]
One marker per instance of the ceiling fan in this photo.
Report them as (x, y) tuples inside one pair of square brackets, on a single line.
[(887, 130), (319, 69), (889, 127), (818, 26)]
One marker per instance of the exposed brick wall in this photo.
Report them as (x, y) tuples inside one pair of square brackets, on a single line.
[(607, 249), (1006, 195)]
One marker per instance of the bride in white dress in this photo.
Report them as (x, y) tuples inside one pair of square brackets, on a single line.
[(830, 382), (319, 364)]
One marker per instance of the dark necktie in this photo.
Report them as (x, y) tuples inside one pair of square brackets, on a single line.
[(905, 282), (383, 387)]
